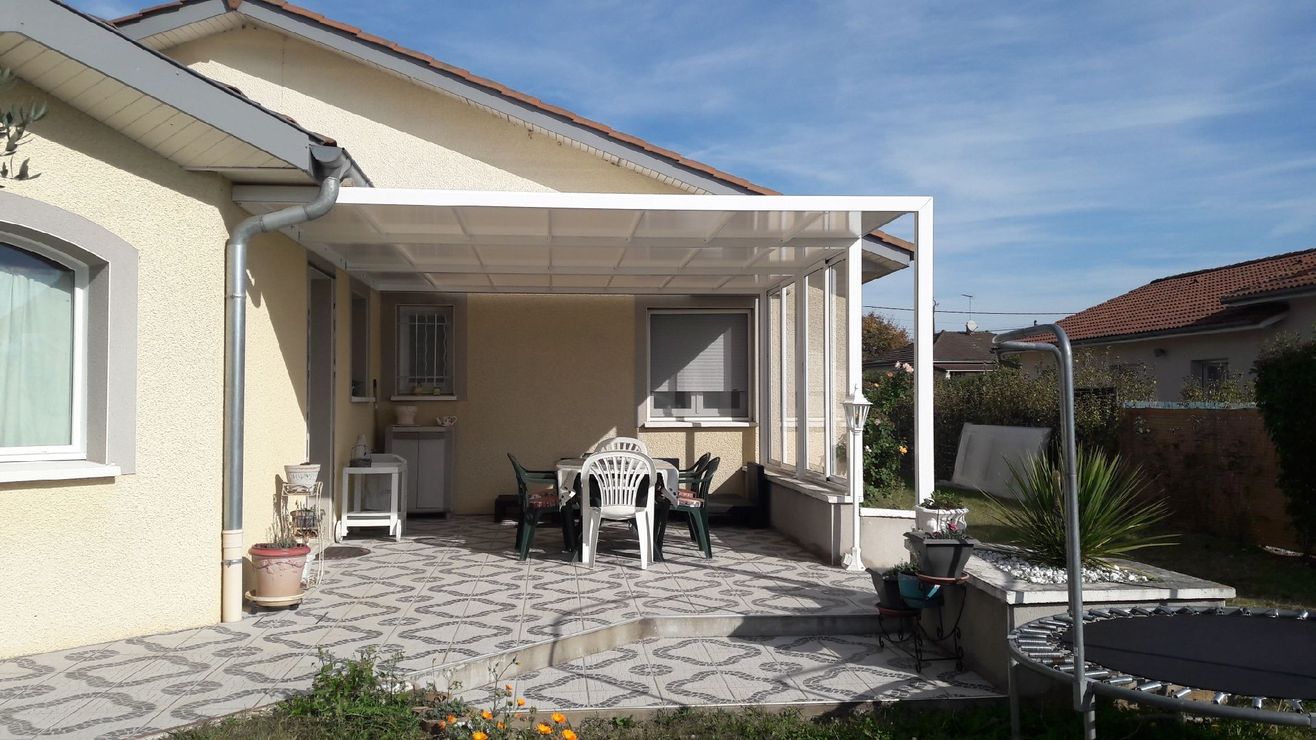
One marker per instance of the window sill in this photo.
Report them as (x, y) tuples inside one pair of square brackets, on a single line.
[(362, 399), (697, 424), (16, 472), (422, 398), (830, 494)]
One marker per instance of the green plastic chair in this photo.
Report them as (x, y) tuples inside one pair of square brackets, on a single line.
[(696, 514), (536, 503)]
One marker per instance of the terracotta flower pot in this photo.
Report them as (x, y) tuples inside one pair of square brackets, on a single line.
[(278, 570)]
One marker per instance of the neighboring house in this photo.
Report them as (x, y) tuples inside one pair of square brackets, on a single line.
[(1201, 326), (475, 264), (953, 352)]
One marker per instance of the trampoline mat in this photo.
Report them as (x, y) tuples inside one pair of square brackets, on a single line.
[(1246, 656)]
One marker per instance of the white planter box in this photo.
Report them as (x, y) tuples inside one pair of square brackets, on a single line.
[(935, 520)]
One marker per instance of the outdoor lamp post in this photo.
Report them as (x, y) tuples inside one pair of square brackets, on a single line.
[(856, 413)]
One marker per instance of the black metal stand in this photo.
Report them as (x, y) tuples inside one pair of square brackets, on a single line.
[(911, 636)]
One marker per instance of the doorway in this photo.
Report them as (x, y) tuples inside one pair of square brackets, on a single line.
[(320, 375)]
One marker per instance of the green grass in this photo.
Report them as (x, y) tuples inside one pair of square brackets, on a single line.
[(1261, 578)]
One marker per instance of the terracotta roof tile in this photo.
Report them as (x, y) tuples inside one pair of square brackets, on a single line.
[(1197, 301)]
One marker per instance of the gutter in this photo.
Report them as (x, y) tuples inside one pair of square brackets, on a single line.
[(330, 164)]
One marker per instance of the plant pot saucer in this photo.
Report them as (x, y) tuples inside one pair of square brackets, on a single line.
[(902, 613), (936, 581), (274, 601)]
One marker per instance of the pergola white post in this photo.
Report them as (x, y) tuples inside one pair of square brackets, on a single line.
[(924, 473), (854, 375)]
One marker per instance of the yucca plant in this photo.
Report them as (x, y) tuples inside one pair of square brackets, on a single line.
[(1114, 519)]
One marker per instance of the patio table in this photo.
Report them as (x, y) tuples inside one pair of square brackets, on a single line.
[(568, 473)]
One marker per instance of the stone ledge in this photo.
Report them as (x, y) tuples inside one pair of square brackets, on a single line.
[(1164, 585)]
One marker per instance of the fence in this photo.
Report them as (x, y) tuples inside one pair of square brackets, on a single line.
[(1215, 467)]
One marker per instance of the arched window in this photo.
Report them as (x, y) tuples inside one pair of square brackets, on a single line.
[(43, 344)]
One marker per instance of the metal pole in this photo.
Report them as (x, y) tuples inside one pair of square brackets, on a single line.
[(854, 560), (1064, 356)]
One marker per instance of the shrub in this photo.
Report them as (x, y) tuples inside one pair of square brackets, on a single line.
[(1233, 388), (1113, 519), (1286, 395), (887, 432)]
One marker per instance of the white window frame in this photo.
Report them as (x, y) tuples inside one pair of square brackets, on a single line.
[(77, 448), (832, 474), (407, 394), (656, 420)]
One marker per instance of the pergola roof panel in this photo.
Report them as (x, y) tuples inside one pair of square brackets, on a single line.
[(583, 242)]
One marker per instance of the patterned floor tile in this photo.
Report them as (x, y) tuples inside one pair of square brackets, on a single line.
[(453, 590)]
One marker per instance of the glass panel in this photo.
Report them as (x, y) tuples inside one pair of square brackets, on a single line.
[(817, 373), (788, 439), (36, 350), (424, 362), (774, 377), (361, 345), (841, 386), (699, 364)]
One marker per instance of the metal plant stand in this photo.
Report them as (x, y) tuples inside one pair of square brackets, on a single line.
[(912, 637), (293, 501)]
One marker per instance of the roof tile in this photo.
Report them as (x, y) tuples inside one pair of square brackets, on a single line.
[(1200, 300)]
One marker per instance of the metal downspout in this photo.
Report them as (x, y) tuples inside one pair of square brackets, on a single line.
[(335, 162)]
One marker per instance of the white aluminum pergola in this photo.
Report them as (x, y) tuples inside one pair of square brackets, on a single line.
[(544, 242)]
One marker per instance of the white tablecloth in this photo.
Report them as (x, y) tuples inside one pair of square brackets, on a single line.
[(569, 469)]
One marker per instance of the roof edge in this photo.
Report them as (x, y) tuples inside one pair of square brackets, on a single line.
[(316, 28)]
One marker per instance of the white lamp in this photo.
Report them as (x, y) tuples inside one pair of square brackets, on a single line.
[(856, 413)]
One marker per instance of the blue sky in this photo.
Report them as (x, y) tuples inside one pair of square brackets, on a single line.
[(1075, 150)]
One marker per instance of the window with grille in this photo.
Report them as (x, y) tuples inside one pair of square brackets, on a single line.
[(424, 351), (699, 364)]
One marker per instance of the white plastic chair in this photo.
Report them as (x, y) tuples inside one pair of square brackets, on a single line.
[(626, 444), (618, 474)]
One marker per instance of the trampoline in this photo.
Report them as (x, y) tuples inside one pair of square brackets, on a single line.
[(1233, 662)]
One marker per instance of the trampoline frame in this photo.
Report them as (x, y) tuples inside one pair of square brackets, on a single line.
[(1044, 634)]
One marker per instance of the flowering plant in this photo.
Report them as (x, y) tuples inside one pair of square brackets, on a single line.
[(506, 718)]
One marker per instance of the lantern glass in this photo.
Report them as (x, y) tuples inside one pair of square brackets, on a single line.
[(856, 410)]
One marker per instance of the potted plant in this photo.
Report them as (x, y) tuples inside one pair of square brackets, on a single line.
[(935, 514), (305, 518), (941, 554), (304, 475), (278, 563), (915, 593), (887, 584)]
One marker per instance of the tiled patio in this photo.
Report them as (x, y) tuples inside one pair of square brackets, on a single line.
[(452, 592)]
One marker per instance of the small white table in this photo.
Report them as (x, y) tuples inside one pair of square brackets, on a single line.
[(352, 511)]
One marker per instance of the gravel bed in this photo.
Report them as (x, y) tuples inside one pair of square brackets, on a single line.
[(1034, 573)]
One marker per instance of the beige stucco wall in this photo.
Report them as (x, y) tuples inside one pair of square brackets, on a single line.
[(1170, 359), (549, 377), (403, 135), (141, 552)]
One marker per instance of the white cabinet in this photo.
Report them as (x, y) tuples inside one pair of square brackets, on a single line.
[(430, 453)]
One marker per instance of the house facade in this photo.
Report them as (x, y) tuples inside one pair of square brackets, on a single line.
[(1202, 327), (953, 353), (169, 128)]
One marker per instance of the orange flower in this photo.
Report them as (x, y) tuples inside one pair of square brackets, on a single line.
[(520, 702), (543, 729), (477, 735), (442, 724), (501, 726), (452, 718), (903, 449), (507, 686), (568, 735), (487, 714), (558, 718)]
